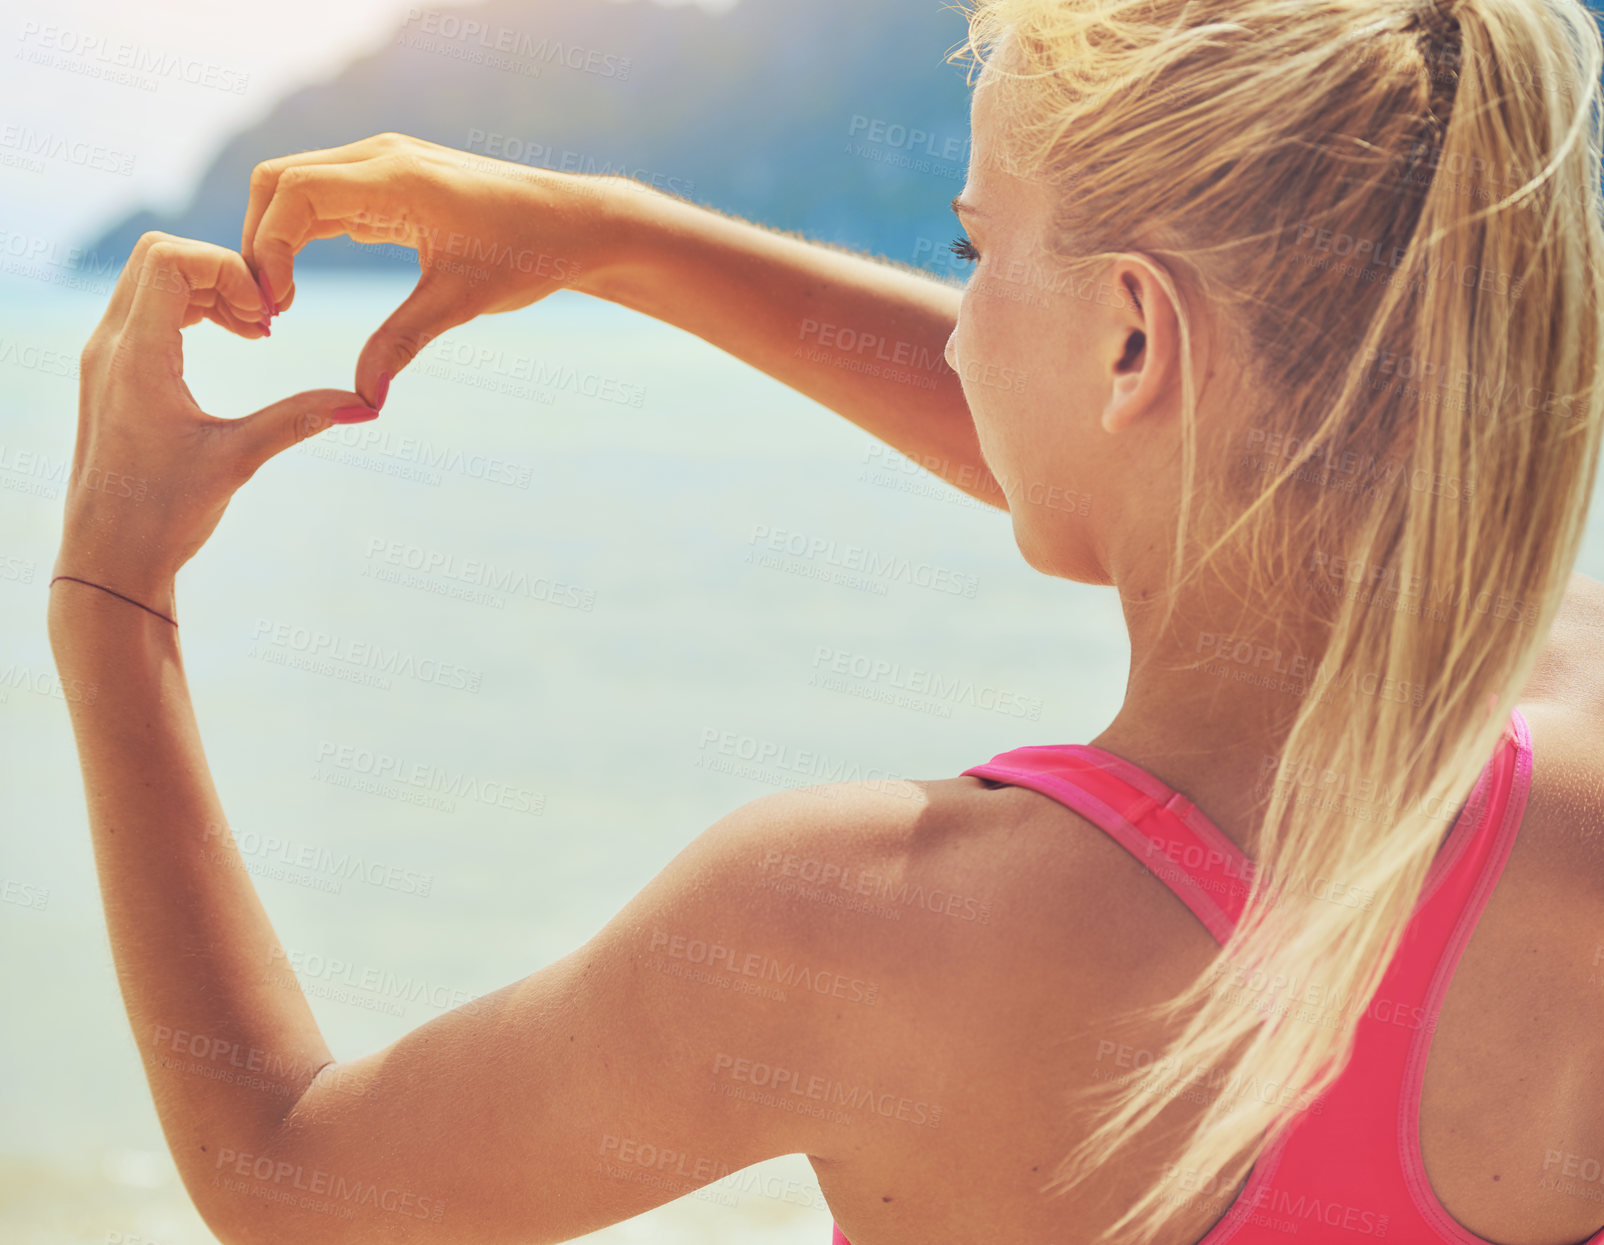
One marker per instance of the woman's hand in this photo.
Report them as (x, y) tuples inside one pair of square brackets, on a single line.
[(490, 235), (152, 472)]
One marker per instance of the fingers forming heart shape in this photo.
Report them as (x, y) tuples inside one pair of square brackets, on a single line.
[(152, 472)]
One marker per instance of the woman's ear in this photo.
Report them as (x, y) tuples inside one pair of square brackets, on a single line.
[(1144, 329)]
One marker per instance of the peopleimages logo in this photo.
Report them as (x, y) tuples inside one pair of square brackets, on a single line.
[(879, 349), (877, 566), (45, 259), (32, 147), (1379, 580), (716, 957), (777, 865), (294, 964), (543, 374), (343, 866), (24, 894), (894, 676), (1296, 1206), (781, 765), (1370, 254), (480, 573), (423, 454), (268, 1069), (1297, 673), (383, 767), (912, 139), (323, 1190), (1482, 392), (325, 652), (494, 45), (131, 64), (789, 1083), (540, 155), (34, 358)]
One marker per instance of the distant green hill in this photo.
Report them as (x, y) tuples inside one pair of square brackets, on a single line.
[(837, 118)]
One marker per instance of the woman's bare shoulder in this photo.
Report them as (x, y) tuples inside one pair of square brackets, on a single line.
[(947, 887), (986, 881)]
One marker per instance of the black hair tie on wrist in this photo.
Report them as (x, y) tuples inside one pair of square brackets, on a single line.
[(116, 594)]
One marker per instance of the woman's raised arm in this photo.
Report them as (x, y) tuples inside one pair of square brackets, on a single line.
[(604, 1084), (862, 337)]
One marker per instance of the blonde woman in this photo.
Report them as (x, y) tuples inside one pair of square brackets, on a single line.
[(1307, 942)]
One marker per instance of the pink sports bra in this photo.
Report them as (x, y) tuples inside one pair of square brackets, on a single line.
[(1351, 1167)]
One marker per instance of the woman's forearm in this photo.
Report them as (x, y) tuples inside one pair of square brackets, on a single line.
[(861, 337), (227, 1039)]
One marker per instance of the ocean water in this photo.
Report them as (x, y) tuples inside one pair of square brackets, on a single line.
[(571, 512)]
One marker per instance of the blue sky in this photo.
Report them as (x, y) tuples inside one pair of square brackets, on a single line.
[(117, 145)]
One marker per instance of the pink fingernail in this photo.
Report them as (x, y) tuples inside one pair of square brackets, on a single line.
[(270, 308), (384, 390), (353, 414)]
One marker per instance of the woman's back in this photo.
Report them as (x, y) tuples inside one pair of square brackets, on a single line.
[(1028, 1007)]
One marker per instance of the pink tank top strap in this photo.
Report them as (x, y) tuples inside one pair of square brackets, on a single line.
[(1177, 842), (1164, 830)]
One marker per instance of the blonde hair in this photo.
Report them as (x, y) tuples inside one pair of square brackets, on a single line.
[(1394, 210)]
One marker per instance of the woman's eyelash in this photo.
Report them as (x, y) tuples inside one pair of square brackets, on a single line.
[(964, 249)]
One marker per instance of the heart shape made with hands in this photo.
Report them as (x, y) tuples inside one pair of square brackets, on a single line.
[(152, 472)]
